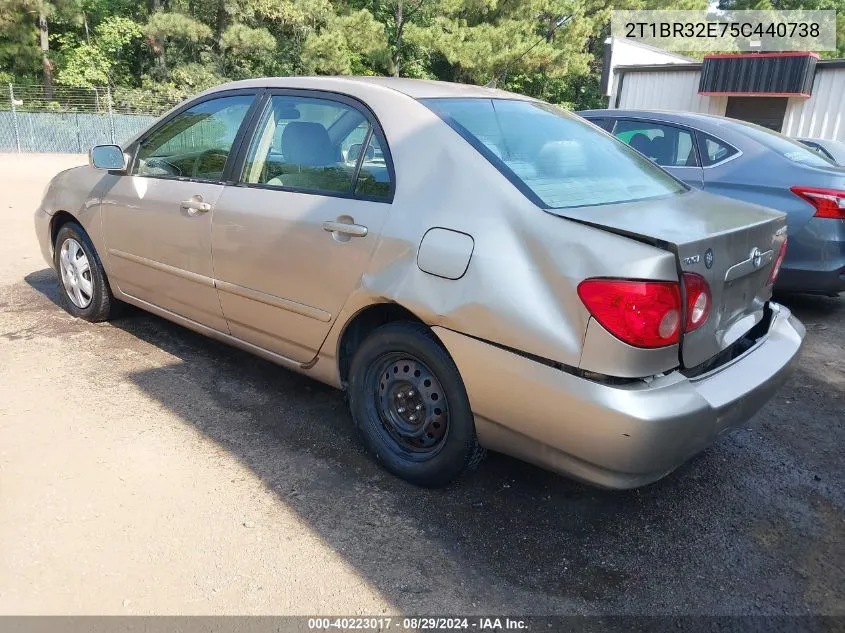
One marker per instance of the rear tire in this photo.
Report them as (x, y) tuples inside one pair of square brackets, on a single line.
[(410, 405), (83, 285)]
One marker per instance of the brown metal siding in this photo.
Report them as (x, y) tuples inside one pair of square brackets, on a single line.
[(782, 74)]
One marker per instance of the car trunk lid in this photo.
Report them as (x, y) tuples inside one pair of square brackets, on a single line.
[(732, 245)]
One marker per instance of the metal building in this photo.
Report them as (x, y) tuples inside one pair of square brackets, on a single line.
[(794, 93)]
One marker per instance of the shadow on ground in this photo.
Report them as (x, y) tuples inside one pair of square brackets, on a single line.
[(511, 536), (812, 307)]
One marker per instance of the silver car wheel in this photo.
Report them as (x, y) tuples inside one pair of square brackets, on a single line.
[(76, 273)]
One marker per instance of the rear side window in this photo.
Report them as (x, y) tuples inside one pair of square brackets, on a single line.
[(554, 157), (317, 146), (713, 150), (293, 147), (666, 145)]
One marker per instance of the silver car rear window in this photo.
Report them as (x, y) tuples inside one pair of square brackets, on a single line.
[(556, 158)]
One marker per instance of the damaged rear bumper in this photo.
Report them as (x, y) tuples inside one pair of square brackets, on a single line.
[(617, 436)]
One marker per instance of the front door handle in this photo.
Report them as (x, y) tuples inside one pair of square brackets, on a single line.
[(194, 205), (354, 230)]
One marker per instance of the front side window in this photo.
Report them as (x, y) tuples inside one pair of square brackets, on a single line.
[(195, 143), (556, 158), (315, 145), (666, 145)]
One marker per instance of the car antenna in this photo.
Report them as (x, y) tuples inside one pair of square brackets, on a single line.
[(559, 23)]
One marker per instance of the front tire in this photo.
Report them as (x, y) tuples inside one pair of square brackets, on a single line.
[(409, 403), (82, 281)]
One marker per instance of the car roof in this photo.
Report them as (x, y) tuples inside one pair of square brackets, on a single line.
[(414, 88)]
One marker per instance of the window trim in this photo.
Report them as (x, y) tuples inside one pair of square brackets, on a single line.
[(683, 128), (246, 122), (368, 138), (236, 174)]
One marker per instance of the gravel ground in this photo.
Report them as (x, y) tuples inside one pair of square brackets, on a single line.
[(146, 469)]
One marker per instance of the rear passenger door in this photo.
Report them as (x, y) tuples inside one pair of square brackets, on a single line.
[(670, 146), (292, 237)]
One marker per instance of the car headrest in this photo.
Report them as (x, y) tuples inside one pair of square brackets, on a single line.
[(562, 159), (661, 150), (641, 143), (307, 143), (354, 152)]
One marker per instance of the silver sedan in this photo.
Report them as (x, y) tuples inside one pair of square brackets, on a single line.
[(479, 270)]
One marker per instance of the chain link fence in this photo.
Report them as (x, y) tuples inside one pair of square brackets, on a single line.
[(74, 119)]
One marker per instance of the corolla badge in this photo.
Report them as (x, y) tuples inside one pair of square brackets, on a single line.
[(708, 258), (756, 257)]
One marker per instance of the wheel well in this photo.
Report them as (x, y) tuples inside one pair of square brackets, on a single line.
[(360, 327), (59, 220)]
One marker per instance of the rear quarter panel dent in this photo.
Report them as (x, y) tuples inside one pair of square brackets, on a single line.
[(519, 289)]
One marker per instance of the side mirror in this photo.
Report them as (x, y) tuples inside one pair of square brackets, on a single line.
[(107, 157)]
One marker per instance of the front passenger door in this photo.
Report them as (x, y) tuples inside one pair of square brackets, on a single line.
[(157, 218)]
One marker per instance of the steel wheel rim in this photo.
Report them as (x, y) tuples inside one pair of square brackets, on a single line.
[(76, 273), (410, 405)]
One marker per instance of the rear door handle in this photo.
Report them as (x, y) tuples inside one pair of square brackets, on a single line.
[(194, 205), (355, 230)]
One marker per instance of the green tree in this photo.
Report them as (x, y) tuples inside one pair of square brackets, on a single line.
[(164, 50), (345, 44), (19, 56), (175, 30), (104, 57), (792, 5)]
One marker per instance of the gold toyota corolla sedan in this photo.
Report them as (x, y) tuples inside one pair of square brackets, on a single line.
[(476, 268)]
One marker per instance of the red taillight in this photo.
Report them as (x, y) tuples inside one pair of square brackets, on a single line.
[(778, 261), (698, 301), (640, 313), (647, 313), (829, 203)]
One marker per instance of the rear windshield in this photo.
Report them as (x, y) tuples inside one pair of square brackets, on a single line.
[(786, 147), (555, 157)]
